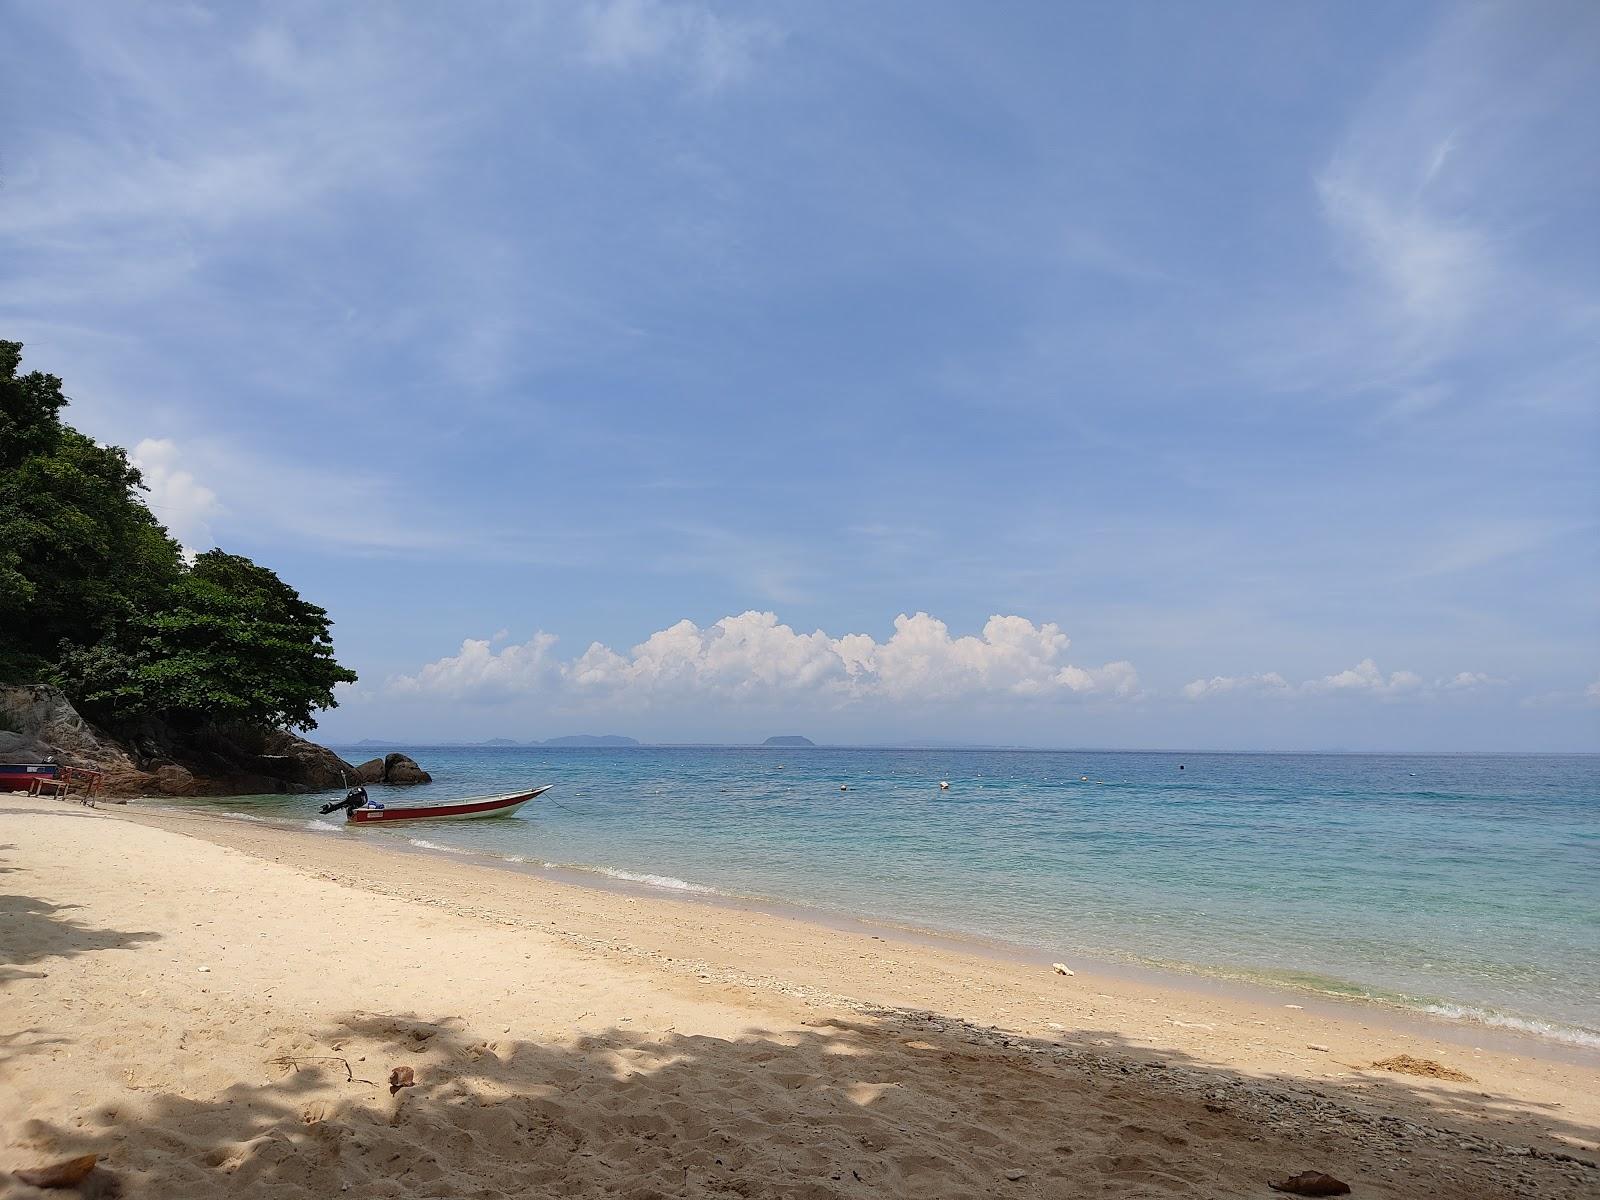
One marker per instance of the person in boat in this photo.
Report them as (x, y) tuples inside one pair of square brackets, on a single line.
[(355, 798)]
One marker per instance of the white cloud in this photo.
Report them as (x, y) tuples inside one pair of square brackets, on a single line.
[(1365, 677), (480, 673), (712, 50), (181, 502), (1431, 270), (1435, 198), (753, 656), (1218, 685), (1362, 679)]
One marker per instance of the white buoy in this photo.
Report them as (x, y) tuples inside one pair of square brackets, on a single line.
[(944, 785), (844, 787)]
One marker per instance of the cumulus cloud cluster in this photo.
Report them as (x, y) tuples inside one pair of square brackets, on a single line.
[(753, 656), (180, 501), (1363, 679)]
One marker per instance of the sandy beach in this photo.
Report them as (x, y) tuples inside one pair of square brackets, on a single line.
[(215, 1007)]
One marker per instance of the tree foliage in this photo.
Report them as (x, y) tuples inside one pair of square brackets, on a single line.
[(95, 594)]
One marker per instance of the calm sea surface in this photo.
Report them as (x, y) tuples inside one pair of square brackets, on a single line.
[(1465, 885)]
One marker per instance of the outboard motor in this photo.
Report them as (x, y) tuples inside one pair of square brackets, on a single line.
[(353, 799)]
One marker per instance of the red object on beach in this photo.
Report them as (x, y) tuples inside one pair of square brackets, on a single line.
[(19, 777), (463, 810)]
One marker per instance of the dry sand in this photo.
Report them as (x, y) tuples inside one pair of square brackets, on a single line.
[(215, 1008)]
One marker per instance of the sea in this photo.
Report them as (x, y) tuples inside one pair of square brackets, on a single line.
[(1464, 886)]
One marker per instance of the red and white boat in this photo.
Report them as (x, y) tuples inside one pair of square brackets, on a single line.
[(19, 777), (460, 810)]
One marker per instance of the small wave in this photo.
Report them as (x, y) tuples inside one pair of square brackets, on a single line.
[(231, 816), (670, 882), (1545, 1029), (324, 826), (424, 844)]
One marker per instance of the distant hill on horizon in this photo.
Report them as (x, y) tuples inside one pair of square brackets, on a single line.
[(788, 739), (589, 739)]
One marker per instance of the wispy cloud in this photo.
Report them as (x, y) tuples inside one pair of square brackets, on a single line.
[(1432, 199), (712, 50), (1363, 679)]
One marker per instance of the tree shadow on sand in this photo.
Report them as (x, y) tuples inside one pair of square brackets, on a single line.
[(33, 930), (887, 1104)]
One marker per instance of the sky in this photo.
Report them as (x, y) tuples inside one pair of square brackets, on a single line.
[(1158, 375)]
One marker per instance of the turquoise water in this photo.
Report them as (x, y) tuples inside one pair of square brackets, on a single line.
[(1468, 885)]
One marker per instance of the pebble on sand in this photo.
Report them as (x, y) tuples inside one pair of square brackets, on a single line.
[(1060, 968)]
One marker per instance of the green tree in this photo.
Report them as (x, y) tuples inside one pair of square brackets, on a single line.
[(79, 551), (96, 595), (235, 644)]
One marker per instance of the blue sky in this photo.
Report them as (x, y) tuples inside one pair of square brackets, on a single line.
[(1244, 360)]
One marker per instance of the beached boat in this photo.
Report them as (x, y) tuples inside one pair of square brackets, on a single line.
[(19, 777), (460, 810)]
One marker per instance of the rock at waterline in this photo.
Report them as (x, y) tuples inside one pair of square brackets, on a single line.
[(173, 780), (370, 771), (401, 768)]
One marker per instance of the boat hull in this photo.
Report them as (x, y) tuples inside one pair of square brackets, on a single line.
[(465, 810), (19, 777)]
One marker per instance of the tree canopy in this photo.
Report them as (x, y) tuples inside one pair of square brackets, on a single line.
[(96, 596)]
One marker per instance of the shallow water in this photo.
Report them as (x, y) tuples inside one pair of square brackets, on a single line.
[(1466, 885)]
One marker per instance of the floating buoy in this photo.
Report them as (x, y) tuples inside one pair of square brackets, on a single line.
[(1084, 778), (944, 785), (844, 787)]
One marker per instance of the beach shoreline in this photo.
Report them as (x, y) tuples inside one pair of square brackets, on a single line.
[(1465, 1031), (292, 932)]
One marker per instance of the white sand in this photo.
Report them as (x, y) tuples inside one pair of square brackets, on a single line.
[(181, 993)]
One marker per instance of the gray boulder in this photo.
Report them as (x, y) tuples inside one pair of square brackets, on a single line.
[(174, 780), (370, 771), (401, 768)]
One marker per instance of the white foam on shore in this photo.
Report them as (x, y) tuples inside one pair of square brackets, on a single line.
[(232, 816), (1544, 1029), (317, 826), (660, 881), (669, 882), (423, 844)]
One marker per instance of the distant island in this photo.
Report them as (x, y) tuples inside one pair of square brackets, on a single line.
[(588, 739), (789, 739)]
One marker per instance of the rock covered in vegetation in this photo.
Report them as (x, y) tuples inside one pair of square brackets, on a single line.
[(155, 758)]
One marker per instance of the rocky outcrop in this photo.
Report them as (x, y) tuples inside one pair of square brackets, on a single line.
[(392, 768), (156, 758), (370, 771), (401, 768), (38, 722)]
